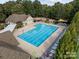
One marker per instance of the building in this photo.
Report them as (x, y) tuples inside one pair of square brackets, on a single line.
[(9, 49), (51, 20), (16, 18), (62, 21), (37, 19)]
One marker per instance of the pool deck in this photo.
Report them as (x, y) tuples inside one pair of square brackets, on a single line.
[(31, 49)]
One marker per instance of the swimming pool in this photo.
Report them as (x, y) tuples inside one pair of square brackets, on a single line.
[(39, 34)]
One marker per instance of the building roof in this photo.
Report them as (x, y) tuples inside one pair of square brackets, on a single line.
[(43, 19), (61, 20), (17, 18), (40, 18), (12, 52), (8, 38), (9, 49)]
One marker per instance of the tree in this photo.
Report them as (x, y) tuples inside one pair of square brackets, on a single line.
[(27, 4), (7, 8), (37, 8), (58, 10), (19, 1), (76, 5), (1, 8), (76, 21), (69, 41), (2, 17), (68, 10), (17, 8)]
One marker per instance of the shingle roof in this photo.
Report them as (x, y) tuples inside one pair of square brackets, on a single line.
[(17, 18), (12, 52), (8, 38), (9, 49)]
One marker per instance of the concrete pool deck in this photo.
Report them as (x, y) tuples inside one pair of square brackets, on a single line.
[(31, 49)]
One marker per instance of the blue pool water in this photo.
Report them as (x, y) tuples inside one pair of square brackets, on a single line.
[(39, 34)]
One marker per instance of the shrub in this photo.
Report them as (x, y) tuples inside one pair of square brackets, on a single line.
[(19, 25), (2, 26)]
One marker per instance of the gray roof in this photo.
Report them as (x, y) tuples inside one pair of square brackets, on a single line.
[(17, 18), (8, 38), (12, 52), (9, 49)]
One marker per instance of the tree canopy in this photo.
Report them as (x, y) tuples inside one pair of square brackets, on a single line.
[(36, 9), (69, 44)]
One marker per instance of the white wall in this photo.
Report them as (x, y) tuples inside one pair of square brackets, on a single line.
[(28, 20)]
